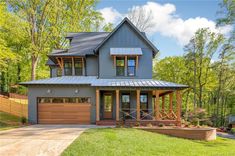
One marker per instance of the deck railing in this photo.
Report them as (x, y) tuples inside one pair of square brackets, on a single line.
[(145, 114), (130, 114)]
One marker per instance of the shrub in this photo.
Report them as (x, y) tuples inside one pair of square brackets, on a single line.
[(149, 125), (161, 125), (23, 120), (208, 123), (233, 130), (196, 122), (137, 124)]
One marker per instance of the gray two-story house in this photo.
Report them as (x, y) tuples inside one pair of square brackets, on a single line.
[(104, 78)]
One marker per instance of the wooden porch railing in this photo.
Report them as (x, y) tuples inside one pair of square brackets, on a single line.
[(147, 114)]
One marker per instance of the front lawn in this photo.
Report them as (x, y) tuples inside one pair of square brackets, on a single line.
[(8, 121), (122, 141)]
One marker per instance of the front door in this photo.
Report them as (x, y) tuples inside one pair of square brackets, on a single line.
[(108, 109)]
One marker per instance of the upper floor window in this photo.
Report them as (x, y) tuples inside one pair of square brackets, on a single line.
[(131, 67), (78, 67), (59, 72), (120, 66), (67, 67)]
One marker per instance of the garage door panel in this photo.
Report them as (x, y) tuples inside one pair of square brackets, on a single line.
[(62, 121), (63, 108), (62, 113)]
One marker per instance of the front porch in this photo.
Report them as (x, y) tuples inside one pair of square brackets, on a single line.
[(141, 105)]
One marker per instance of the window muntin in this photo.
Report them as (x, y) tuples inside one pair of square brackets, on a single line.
[(126, 102), (120, 66), (78, 67), (143, 101), (67, 67), (131, 65), (44, 100), (64, 100)]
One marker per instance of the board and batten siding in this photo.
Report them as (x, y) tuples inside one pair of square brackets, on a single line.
[(36, 91), (91, 66), (125, 37)]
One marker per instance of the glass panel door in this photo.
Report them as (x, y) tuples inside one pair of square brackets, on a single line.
[(108, 106)]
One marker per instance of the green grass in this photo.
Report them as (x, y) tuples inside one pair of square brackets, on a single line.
[(121, 141), (8, 121)]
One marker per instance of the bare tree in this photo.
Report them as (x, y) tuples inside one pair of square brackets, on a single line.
[(141, 17)]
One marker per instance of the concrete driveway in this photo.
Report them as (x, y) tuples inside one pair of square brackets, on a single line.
[(40, 140)]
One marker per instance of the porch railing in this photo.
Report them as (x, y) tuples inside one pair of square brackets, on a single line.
[(130, 114), (147, 114)]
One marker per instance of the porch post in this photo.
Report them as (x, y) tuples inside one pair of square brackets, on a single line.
[(178, 103), (138, 104), (97, 105), (157, 112), (117, 105)]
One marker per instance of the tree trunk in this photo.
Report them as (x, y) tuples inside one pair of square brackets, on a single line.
[(34, 65), (200, 96), (194, 83), (186, 111), (18, 73)]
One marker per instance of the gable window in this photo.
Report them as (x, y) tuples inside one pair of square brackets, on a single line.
[(67, 67), (131, 66), (120, 66), (78, 66)]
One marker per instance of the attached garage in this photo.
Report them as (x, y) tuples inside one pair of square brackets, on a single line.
[(68, 110)]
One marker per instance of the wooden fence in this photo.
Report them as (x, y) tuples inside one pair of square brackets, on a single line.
[(14, 106)]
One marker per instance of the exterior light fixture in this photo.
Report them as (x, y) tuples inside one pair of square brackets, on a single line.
[(48, 91), (76, 91)]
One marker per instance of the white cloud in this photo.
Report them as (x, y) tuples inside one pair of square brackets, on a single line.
[(110, 15), (168, 23)]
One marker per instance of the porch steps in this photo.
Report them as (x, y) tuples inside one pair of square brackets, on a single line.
[(106, 122)]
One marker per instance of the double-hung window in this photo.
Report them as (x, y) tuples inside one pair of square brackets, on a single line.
[(126, 102), (131, 66), (120, 66), (67, 67), (78, 67), (144, 102)]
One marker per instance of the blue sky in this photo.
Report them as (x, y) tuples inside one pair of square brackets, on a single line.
[(179, 19)]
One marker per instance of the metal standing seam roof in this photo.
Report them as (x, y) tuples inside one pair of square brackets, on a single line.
[(94, 81), (126, 51)]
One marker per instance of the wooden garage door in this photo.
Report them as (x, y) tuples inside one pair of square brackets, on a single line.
[(64, 113)]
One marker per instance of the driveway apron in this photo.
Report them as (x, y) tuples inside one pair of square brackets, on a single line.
[(39, 140)]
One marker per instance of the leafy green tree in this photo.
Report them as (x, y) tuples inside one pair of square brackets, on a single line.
[(48, 21), (200, 51)]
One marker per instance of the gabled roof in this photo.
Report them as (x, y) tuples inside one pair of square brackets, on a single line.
[(82, 43), (95, 82), (143, 36), (87, 43)]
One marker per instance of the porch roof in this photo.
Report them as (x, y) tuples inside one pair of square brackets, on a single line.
[(96, 82), (125, 51)]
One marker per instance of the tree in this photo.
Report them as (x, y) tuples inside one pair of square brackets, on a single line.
[(49, 20), (141, 18), (201, 50)]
